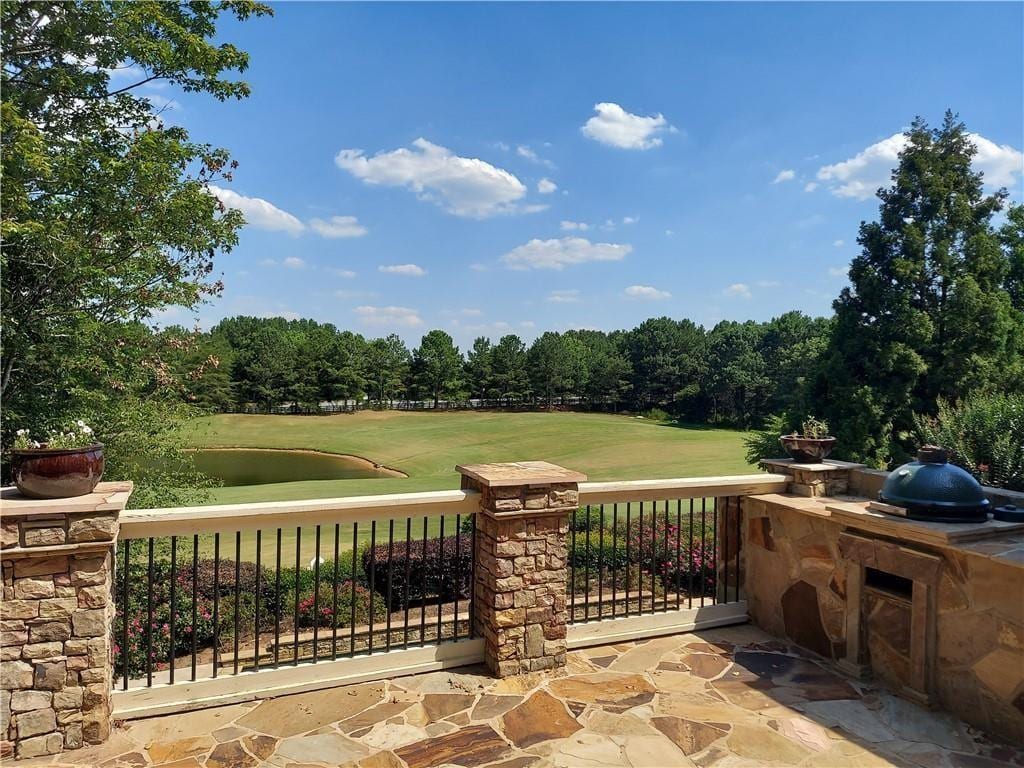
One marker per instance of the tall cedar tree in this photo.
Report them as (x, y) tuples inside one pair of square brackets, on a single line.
[(928, 313)]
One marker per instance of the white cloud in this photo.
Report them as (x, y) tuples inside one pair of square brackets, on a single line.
[(669, 233), (860, 176), (569, 296), (258, 212), (647, 292), (810, 186), (409, 270), (294, 262), (389, 316), (786, 175), (338, 226), (614, 126), (268, 263), (524, 151), (348, 274), (546, 186), (562, 252), (630, 219), (572, 226), (838, 243), (741, 290), (461, 185)]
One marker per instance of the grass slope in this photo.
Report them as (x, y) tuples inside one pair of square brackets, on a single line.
[(427, 446)]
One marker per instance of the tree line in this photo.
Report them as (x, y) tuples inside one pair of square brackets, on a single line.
[(735, 373)]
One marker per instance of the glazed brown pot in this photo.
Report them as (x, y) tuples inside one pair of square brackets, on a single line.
[(809, 450), (57, 473)]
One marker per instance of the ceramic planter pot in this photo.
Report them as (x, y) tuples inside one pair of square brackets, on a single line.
[(57, 473), (808, 450)]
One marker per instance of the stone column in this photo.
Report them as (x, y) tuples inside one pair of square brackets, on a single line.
[(827, 478), (55, 620), (519, 598)]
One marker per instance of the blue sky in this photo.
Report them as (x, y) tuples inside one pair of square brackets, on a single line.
[(516, 168)]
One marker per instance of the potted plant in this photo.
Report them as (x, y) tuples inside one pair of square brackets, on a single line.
[(69, 462), (812, 444)]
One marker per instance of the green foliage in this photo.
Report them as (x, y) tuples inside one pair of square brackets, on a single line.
[(657, 414), (984, 434), (813, 428), (436, 366), (106, 215), (764, 443), (933, 309), (331, 607)]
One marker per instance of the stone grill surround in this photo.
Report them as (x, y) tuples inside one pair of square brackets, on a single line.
[(802, 582), (55, 620), (521, 575)]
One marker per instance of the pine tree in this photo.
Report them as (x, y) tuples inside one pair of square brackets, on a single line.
[(927, 314)]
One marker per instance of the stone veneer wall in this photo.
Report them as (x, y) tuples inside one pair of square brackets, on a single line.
[(796, 587), (55, 619), (521, 576)]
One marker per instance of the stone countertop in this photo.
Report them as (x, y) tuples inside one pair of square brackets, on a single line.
[(106, 497), (994, 540)]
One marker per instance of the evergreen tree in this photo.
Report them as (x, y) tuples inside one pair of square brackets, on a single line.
[(436, 366), (479, 367), (509, 379), (928, 313)]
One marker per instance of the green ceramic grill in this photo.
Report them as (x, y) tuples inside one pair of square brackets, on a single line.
[(933, 489)]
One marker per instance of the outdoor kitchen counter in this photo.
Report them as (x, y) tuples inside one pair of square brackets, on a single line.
[(994, 540), (933, 610)]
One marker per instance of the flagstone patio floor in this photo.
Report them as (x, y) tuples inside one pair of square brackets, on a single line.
[(727, 697)]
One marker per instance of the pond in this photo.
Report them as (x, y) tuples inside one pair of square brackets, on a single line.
[(257, 466)]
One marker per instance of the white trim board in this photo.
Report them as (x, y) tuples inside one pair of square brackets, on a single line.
[(268, 683), (626, 628)]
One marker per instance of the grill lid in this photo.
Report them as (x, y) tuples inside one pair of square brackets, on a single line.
[(933, 489)]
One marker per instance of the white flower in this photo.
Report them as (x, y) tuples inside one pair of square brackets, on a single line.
[(22, 432), (87, 430), (80, 423)]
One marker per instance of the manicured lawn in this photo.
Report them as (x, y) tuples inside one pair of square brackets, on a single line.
[(427, 446)]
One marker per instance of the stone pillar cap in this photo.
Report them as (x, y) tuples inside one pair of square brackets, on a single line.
[(513, 473), (106, 497)]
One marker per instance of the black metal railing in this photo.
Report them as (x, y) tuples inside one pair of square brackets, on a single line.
[(203, 605), (635, 558)]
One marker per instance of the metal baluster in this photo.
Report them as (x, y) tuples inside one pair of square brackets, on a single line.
[(600, 567), (654, 554), (316, 596), (725, 545), (640, 562), (689, 590), (278, 602), (149, 617), (258, 599), (440, 581), (405, 583), (195, 598), (423, 587), (174, 606), (334, 596), (714, 546), (352, 618), (664, 606), (391, 552), (372, 574), (629, 535), (238, 593), (679, 541), (295, 618), (703, 549), (124, 613), (615, 553), (586, 571), (458, 575), (216, 602)]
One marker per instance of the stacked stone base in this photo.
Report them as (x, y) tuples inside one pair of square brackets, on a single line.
[(55, 619)]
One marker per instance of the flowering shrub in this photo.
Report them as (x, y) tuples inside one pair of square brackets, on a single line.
[(76, 435), (442, 571), (319, 610)]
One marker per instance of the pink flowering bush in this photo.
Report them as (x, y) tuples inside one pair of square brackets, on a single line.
[(318, 610)]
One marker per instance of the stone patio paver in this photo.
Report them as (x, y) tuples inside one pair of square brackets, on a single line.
[(724, 698)]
